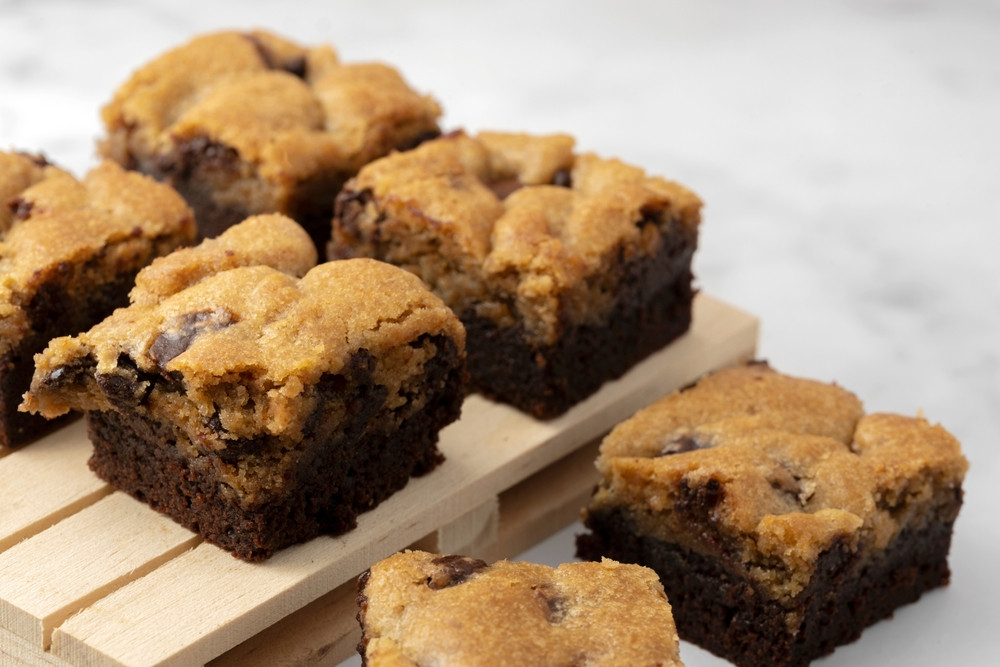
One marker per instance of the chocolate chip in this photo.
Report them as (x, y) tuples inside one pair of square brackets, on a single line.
[(183, 331), (215, 423), (709, 495), (554, 605), (683, 443), (563, 178), (70, 374), (453, 570), (296, 65), (125, 386), (20, 207), (198, 152), (651, 216)]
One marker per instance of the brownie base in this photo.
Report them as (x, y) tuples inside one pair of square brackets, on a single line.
[(53, 312), (721, 611), (341, 469), (652, 309)]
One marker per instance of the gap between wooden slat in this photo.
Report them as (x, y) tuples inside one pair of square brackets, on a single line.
[(48, 577), (46, 481)]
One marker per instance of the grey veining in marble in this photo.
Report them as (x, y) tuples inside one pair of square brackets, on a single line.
[(848, 154)]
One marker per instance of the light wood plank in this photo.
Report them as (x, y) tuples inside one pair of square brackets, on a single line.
[(470, 534), (324, 633), (45, 481), (48, 577)]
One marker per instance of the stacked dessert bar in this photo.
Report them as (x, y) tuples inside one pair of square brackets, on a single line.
[(263, 399)]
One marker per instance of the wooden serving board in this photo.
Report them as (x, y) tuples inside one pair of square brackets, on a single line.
[(89, 576)]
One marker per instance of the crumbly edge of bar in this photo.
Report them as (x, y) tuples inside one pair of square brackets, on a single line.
[(717, 607), (350, 459)]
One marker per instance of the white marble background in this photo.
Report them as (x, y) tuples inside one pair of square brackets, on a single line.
[(848, 154)]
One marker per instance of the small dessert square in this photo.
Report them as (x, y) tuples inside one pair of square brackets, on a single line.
[(247, 123), (566, 269), (418, 609), (781, 518), (69, 252), (255, 407)]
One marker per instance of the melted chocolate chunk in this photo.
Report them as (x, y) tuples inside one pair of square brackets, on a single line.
[(554, 605), (197, 152), (295, 65), (20, 207), (126, 386), (683, 443), (71, 374), (183, 332), (453, 570)]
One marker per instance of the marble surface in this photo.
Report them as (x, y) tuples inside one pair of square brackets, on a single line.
[(848, 154)]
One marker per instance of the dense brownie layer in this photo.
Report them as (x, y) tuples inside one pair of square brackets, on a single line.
[(341, 469), (718, 609), (652, 309)]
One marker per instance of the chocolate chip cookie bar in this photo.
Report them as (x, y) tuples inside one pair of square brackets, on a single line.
[(256, 407), (566, 268), (69, 251), (781, 518), (418, 608), (246, 123)]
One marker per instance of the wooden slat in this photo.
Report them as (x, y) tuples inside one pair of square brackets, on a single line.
[(204, 602), (43, 482), (48, 577), (19, 652), (471, 533)]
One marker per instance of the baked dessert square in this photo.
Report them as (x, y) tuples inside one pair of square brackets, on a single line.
[(566, 268), (419, 609), (256, 407), (69, 252), (242, 123), (781, 518)]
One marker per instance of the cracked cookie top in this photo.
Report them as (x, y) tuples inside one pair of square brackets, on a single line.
[(227, 341), (419, 608), (79, 233), (771, 470), (286, 109), (511, 225)]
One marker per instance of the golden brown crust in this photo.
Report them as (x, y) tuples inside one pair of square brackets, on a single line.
[(425, 609), (245, 342), (514, 227), (270, 239), (91, 230), (288, 111), (792, 466)]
